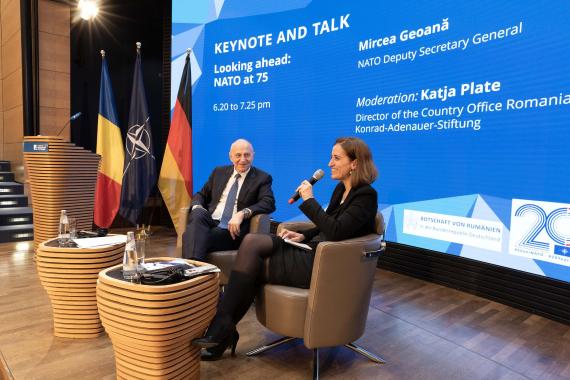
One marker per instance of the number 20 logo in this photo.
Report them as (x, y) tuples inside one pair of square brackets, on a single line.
[(551, 223)]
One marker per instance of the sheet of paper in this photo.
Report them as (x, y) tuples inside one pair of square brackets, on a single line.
[(158, 265), (300, 245), (100, 241)]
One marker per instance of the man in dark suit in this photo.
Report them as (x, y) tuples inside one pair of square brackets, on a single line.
[(220, 213)]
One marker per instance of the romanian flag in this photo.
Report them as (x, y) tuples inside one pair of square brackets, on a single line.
[(175, 181), (110, 148)]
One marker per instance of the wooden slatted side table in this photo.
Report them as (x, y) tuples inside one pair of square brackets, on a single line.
[(69, 276), (152, 326)]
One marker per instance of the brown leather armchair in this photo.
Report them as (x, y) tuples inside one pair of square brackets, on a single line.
[(223, 259), (334, 309)]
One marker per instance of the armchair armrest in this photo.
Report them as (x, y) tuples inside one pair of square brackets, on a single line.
[(260, 223)]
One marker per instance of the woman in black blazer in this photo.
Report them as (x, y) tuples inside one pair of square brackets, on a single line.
[(351, 213)]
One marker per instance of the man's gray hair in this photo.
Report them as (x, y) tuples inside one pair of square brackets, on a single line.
[(241, 141)]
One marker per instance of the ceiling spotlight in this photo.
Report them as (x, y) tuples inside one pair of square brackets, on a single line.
[(87, 9)]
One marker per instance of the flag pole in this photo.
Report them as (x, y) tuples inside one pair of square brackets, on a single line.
[(146, 230), (102, 231)]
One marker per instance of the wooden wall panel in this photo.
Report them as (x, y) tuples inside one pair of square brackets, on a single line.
[(53, 119), (13, 153), (54, 76), (54, 89), (10, 19), (1, 128), (50, 11), (14, 117), (11, 87), (12, 90), (12, 55), (54, 52), (54, 61), (1, 92)]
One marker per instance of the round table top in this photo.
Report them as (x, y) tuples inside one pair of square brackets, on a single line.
[(105, 278), (52, 245)]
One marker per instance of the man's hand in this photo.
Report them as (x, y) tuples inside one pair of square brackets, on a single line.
[(292, 235), (234, 224)]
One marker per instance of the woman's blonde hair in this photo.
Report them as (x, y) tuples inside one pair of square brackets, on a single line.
[(356, 149)]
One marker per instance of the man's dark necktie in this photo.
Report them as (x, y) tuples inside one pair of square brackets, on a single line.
[(230, 201)]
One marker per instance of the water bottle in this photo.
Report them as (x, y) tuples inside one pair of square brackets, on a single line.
[(63, 237), (130, 258)]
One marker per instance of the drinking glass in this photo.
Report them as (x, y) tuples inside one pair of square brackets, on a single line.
[(72, 227), (140, 242)]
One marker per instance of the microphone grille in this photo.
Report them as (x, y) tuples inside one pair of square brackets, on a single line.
[(318, 174)]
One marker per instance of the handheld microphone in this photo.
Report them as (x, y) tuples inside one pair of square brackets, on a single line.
[(73, 117), (316, 176)]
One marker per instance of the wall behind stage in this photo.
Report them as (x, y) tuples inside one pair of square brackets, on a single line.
[(118, 26), (465, 106), (11, 99)]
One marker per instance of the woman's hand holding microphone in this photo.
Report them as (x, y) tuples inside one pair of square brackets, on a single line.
[(305, 190)]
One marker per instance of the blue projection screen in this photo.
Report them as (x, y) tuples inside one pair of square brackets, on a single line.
[(466, 106)]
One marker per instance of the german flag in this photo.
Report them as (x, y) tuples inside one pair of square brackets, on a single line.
[(175, 180), (110, 148)]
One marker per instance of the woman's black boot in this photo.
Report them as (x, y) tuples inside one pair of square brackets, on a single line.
[(248, 289), (216, 352), (222, 331)]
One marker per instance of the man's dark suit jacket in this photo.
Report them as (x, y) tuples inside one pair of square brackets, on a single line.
[(255, 193)]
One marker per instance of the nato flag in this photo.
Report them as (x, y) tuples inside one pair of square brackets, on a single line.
[(139, 175)]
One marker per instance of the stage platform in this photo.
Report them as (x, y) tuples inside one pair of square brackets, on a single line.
[(423, 330)]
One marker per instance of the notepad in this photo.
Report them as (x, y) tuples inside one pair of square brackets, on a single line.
[(100, 241), (296, 244)]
